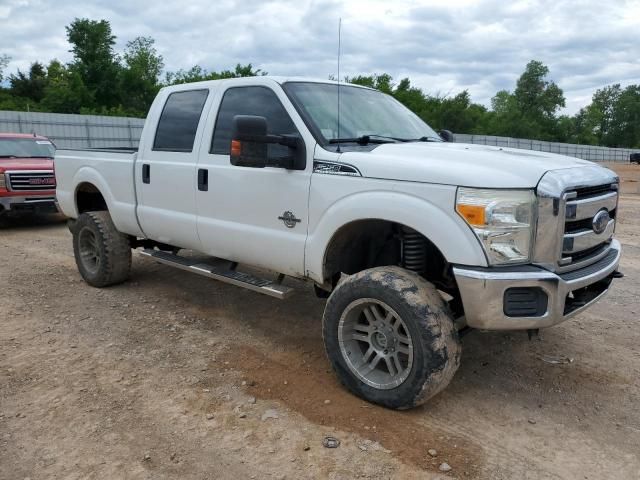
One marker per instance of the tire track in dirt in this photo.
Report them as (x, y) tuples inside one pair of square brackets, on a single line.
[(309, 384)]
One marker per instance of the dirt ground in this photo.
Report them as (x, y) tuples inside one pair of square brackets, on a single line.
[(176, 376)]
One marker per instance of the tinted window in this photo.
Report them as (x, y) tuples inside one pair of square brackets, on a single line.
[(260, 101), (179, 121)]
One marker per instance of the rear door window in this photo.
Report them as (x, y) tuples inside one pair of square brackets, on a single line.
[(179, 120)]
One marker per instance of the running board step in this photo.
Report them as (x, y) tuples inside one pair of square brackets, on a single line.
[(233, 277)]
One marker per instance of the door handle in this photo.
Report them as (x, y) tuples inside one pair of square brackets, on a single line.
[(146, 173), (203, 179)]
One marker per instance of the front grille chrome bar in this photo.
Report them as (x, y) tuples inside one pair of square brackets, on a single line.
[(588, 207), (568, 200), (30, 180), (586, 239)]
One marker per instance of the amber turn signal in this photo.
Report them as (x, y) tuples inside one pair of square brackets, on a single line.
[(236, 148), (473, 214)]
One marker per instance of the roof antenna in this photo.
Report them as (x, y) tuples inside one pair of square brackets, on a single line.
[(339, 48)]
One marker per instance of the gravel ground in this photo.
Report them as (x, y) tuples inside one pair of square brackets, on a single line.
[(175, 376)]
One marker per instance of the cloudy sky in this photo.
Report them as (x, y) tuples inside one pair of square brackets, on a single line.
[(442, 46)]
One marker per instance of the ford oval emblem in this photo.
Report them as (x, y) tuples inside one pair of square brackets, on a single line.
[(600, 221)]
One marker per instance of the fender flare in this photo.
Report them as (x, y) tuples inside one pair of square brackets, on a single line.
[(445, 229), (120, 211)]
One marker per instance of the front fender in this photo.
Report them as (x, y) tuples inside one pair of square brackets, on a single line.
[(435, 218)]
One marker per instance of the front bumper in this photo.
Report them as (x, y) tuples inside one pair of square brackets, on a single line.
[(35, 203), (483, 292)]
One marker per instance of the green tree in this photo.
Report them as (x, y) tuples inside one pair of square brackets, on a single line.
[(4, 61), (594, 122), (31, 85), (65, 91), (530, 111), (95, 60), (624, 129), (536, 96), (141, 75), (382, 82), (199, 74)]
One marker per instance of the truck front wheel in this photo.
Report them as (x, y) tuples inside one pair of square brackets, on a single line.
[(102, 253), (390, 338)]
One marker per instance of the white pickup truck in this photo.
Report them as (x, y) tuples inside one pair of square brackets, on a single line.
[(413, 239)]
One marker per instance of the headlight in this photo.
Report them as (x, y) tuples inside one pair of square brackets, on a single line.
[(502, 220)]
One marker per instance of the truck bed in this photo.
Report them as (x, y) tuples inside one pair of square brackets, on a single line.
[(111, 170)]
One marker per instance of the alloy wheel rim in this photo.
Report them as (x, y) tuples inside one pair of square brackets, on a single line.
[(89, 252), (375, 343)]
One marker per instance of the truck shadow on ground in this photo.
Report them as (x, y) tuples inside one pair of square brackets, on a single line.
[(281, 357), (26, 222)]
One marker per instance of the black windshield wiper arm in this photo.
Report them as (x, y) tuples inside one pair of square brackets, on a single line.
[(422, 139), (374, 138), (366, 139)]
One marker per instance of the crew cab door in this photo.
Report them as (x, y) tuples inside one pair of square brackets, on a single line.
[(165, 171), (256, 216)]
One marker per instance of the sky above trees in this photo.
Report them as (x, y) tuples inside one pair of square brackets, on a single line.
[(444, 47), (101, 79)]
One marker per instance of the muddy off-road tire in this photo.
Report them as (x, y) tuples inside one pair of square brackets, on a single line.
[(390, 338), (103, 254)]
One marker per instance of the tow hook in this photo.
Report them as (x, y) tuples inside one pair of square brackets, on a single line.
[(617, 274)]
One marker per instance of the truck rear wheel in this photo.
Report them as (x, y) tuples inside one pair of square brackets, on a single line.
[(390, 338), (102, 253)]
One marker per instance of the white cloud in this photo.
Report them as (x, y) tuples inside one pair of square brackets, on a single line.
[(443, 47)]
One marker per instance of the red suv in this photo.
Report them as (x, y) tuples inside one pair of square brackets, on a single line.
[(27, 179)]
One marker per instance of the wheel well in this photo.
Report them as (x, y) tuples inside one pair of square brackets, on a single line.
[(89, 199), (374, 243)]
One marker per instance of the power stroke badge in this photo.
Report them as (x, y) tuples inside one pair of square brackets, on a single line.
[(289, 219)]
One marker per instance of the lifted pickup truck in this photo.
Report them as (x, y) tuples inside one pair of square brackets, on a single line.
[(412, 239), (27, 181)]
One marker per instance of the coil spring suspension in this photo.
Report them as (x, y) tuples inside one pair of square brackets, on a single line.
[(414, 250)]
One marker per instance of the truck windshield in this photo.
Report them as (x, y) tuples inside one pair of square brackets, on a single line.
[(363, 113), (26, 148)]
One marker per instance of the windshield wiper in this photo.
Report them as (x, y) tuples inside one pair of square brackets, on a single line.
[(422, 139), (366, 139), (374, 138)]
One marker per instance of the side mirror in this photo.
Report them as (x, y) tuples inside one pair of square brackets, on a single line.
[(446, 135), (249, 141)]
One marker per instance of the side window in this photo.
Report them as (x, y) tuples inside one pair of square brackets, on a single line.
[(260, 101), (179, 121)]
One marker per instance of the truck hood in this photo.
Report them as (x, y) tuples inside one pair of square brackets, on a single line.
[(25, 164), (459, 164)]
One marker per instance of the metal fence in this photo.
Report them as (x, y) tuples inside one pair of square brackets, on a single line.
[(586, 152), (94, 131), (75, 131)]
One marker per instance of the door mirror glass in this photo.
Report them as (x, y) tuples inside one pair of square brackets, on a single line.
[(446, 135), (249, 141)]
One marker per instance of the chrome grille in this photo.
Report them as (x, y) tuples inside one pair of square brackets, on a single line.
[(32, 181), (568, 237), (581, 207)]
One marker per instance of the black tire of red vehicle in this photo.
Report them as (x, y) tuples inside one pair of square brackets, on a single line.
[(426, 320), (102, 253)]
